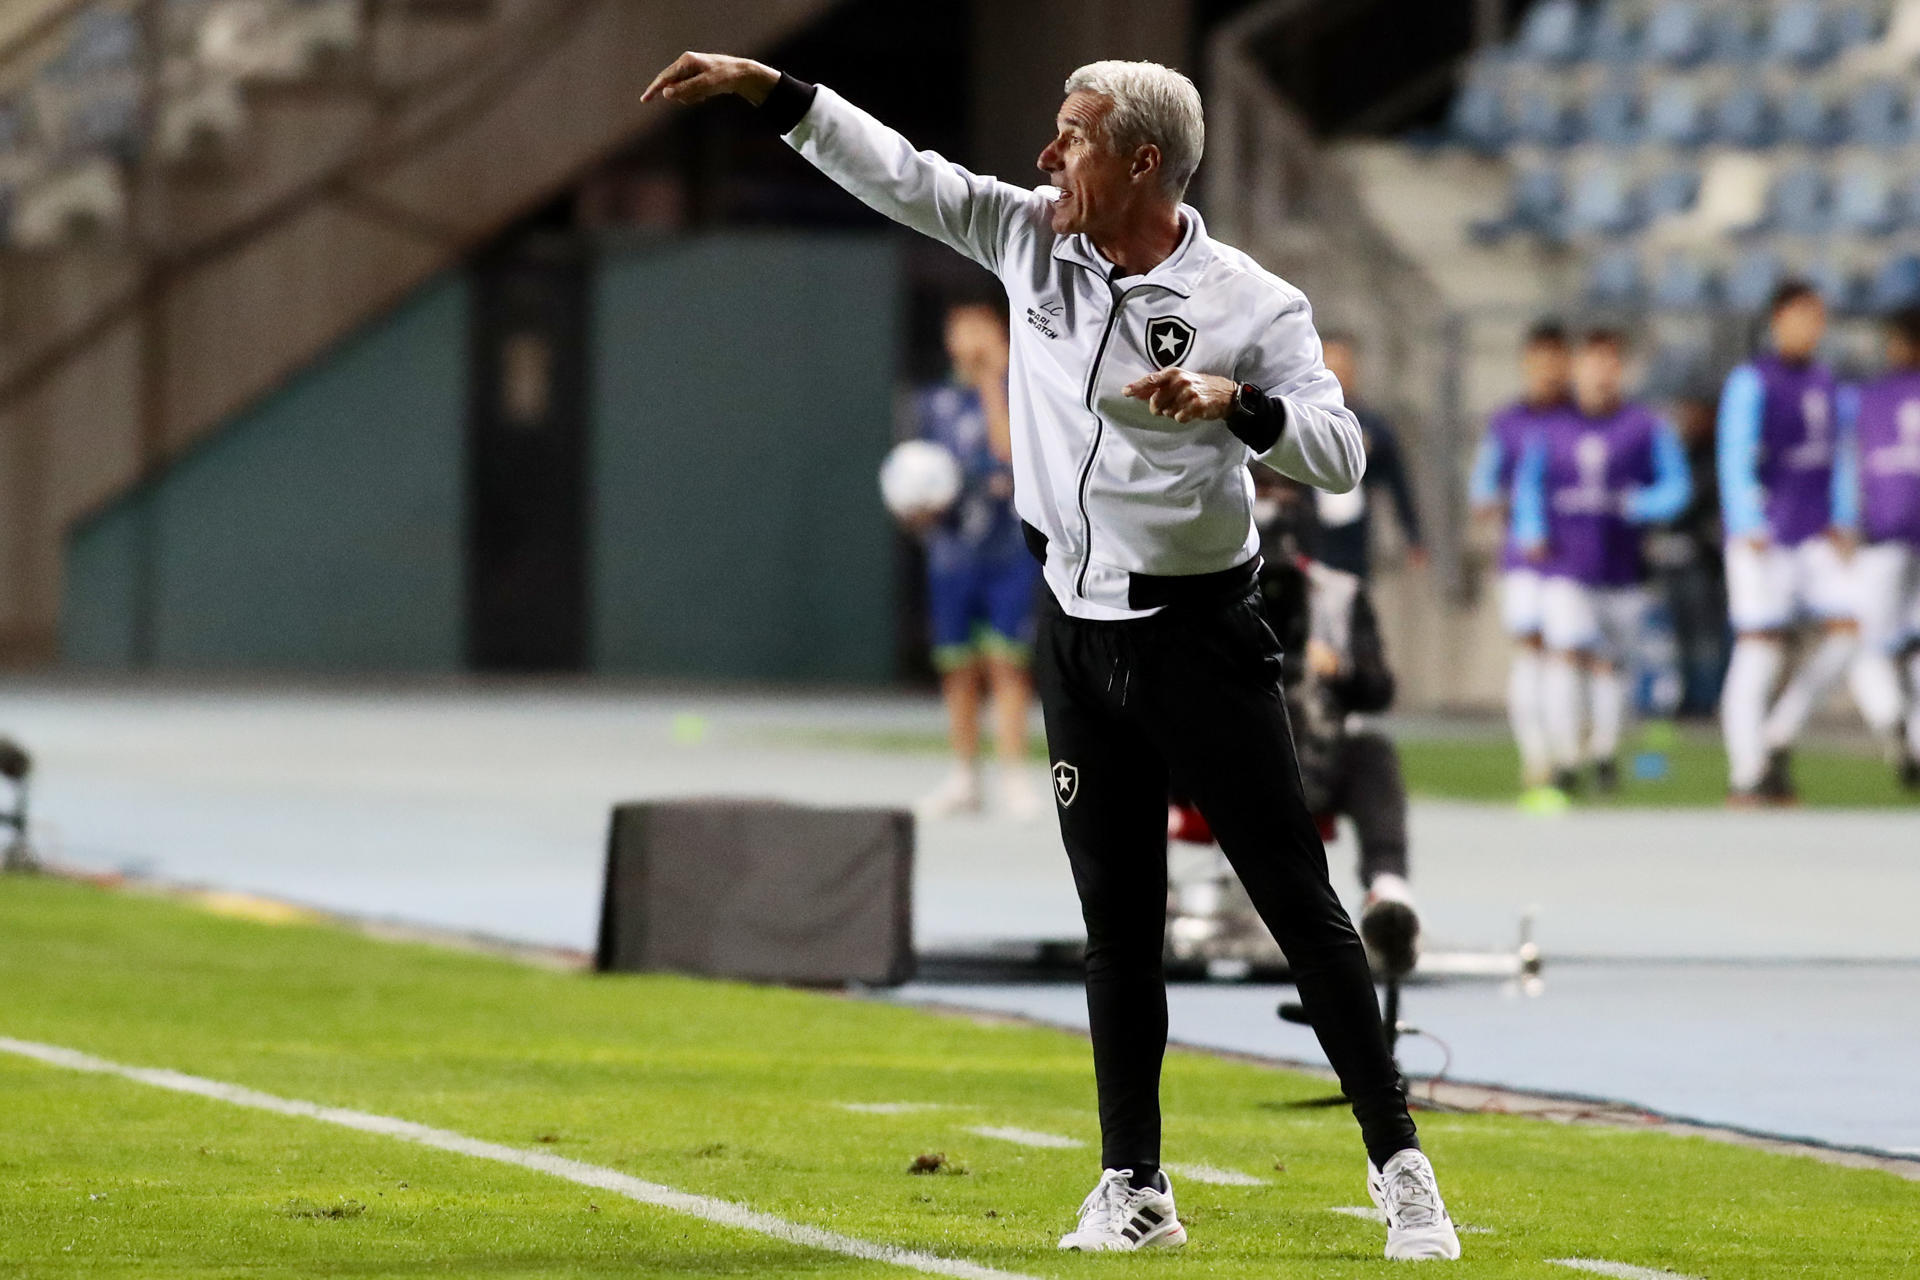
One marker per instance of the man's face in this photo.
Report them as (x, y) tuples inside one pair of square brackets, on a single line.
[(1543, 367), (1598, 371), (1901, 353), (976, 339), (1799, 326), (1096, 185), (1339, 360)]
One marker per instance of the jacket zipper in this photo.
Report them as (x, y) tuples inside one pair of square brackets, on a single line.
[(1099, 431)]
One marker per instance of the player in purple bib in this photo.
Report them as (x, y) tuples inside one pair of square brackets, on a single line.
[(1788, 518), (1588, 482), (1880, 459), (1543, 367)]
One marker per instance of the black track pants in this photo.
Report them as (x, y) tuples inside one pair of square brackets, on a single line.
[(1370, 790), (1191, 697)]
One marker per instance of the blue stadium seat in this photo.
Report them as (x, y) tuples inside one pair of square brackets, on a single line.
[(1613, 115), (1603, 202), (1801, 34), (1613, 280), (1554, 31), (1677, 33), (1896, 284), (1543, 118), (1798, 203), (1674, 368), (1753, 279), (1857, 24), (1614, 36), (1876, 115), (1733, 35), (1808, 118), (1671, 192), (1535, 201), (1839, 287), (1864, 201), (1479, 116), (1676, 115), (1682, 283), (100, 40), (1746, 118)]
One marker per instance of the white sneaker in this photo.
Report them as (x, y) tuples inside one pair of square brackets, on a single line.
[(1120, 1216), (1418, 1227), (959, 793), (1018, 798)]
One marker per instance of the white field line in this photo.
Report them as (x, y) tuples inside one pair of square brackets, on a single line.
[(889, 1108), (1025, 1137), (1218, 1177), (722, 1212), (1619, 1270), (1373, 1214)]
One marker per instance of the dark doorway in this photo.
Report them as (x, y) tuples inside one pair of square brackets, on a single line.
[(527, 456)]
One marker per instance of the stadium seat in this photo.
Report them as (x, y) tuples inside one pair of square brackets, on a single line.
[(1613, 281), (1676, 115), (1857, 24), (1554, 32), (1753, 279), (1896, 284), (1677, 33), (1798, 204), (1801, 34), (1732, 34), (1671, 192), (1864, 201), (1534, 204), (1603, 202), (1682, 282), (1745, 118), (1479, 116), (1613, 115), (1614, 36), (99, 40), (1839, 286), (1673, 368), (1808, 118), (1544, 119), (1876, 115)]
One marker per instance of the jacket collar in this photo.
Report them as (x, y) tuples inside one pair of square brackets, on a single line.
[(1179, 272)]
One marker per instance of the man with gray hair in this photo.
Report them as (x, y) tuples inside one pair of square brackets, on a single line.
[(1151, 364)]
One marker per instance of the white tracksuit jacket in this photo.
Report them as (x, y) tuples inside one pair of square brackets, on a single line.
[(1115, 489)]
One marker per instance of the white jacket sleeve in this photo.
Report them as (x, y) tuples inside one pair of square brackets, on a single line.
[(1320, 444), (918, 189)]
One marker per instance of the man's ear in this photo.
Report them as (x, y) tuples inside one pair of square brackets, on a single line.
[(1146, 161)]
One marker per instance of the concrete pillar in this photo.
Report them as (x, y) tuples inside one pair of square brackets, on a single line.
[(1022, 52)]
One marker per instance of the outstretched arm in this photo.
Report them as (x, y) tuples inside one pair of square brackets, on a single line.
[(919, 189)]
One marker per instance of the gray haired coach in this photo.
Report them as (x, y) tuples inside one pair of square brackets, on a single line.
[(1151, 364)]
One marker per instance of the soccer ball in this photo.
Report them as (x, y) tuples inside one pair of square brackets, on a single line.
[(919, 478)]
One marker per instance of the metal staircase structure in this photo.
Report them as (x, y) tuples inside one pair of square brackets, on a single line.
[(236, 255)]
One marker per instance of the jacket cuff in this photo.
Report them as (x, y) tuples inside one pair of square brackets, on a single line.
[(1257, 418), (787, 103)]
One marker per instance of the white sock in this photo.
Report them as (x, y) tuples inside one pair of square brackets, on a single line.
[(1754, 667), (1560, 708), (1825, 665), (1524, 713), (1876, 688), (1607, 692)]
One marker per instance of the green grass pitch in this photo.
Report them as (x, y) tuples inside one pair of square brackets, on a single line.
[(1487, 768), (734, 1091)]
